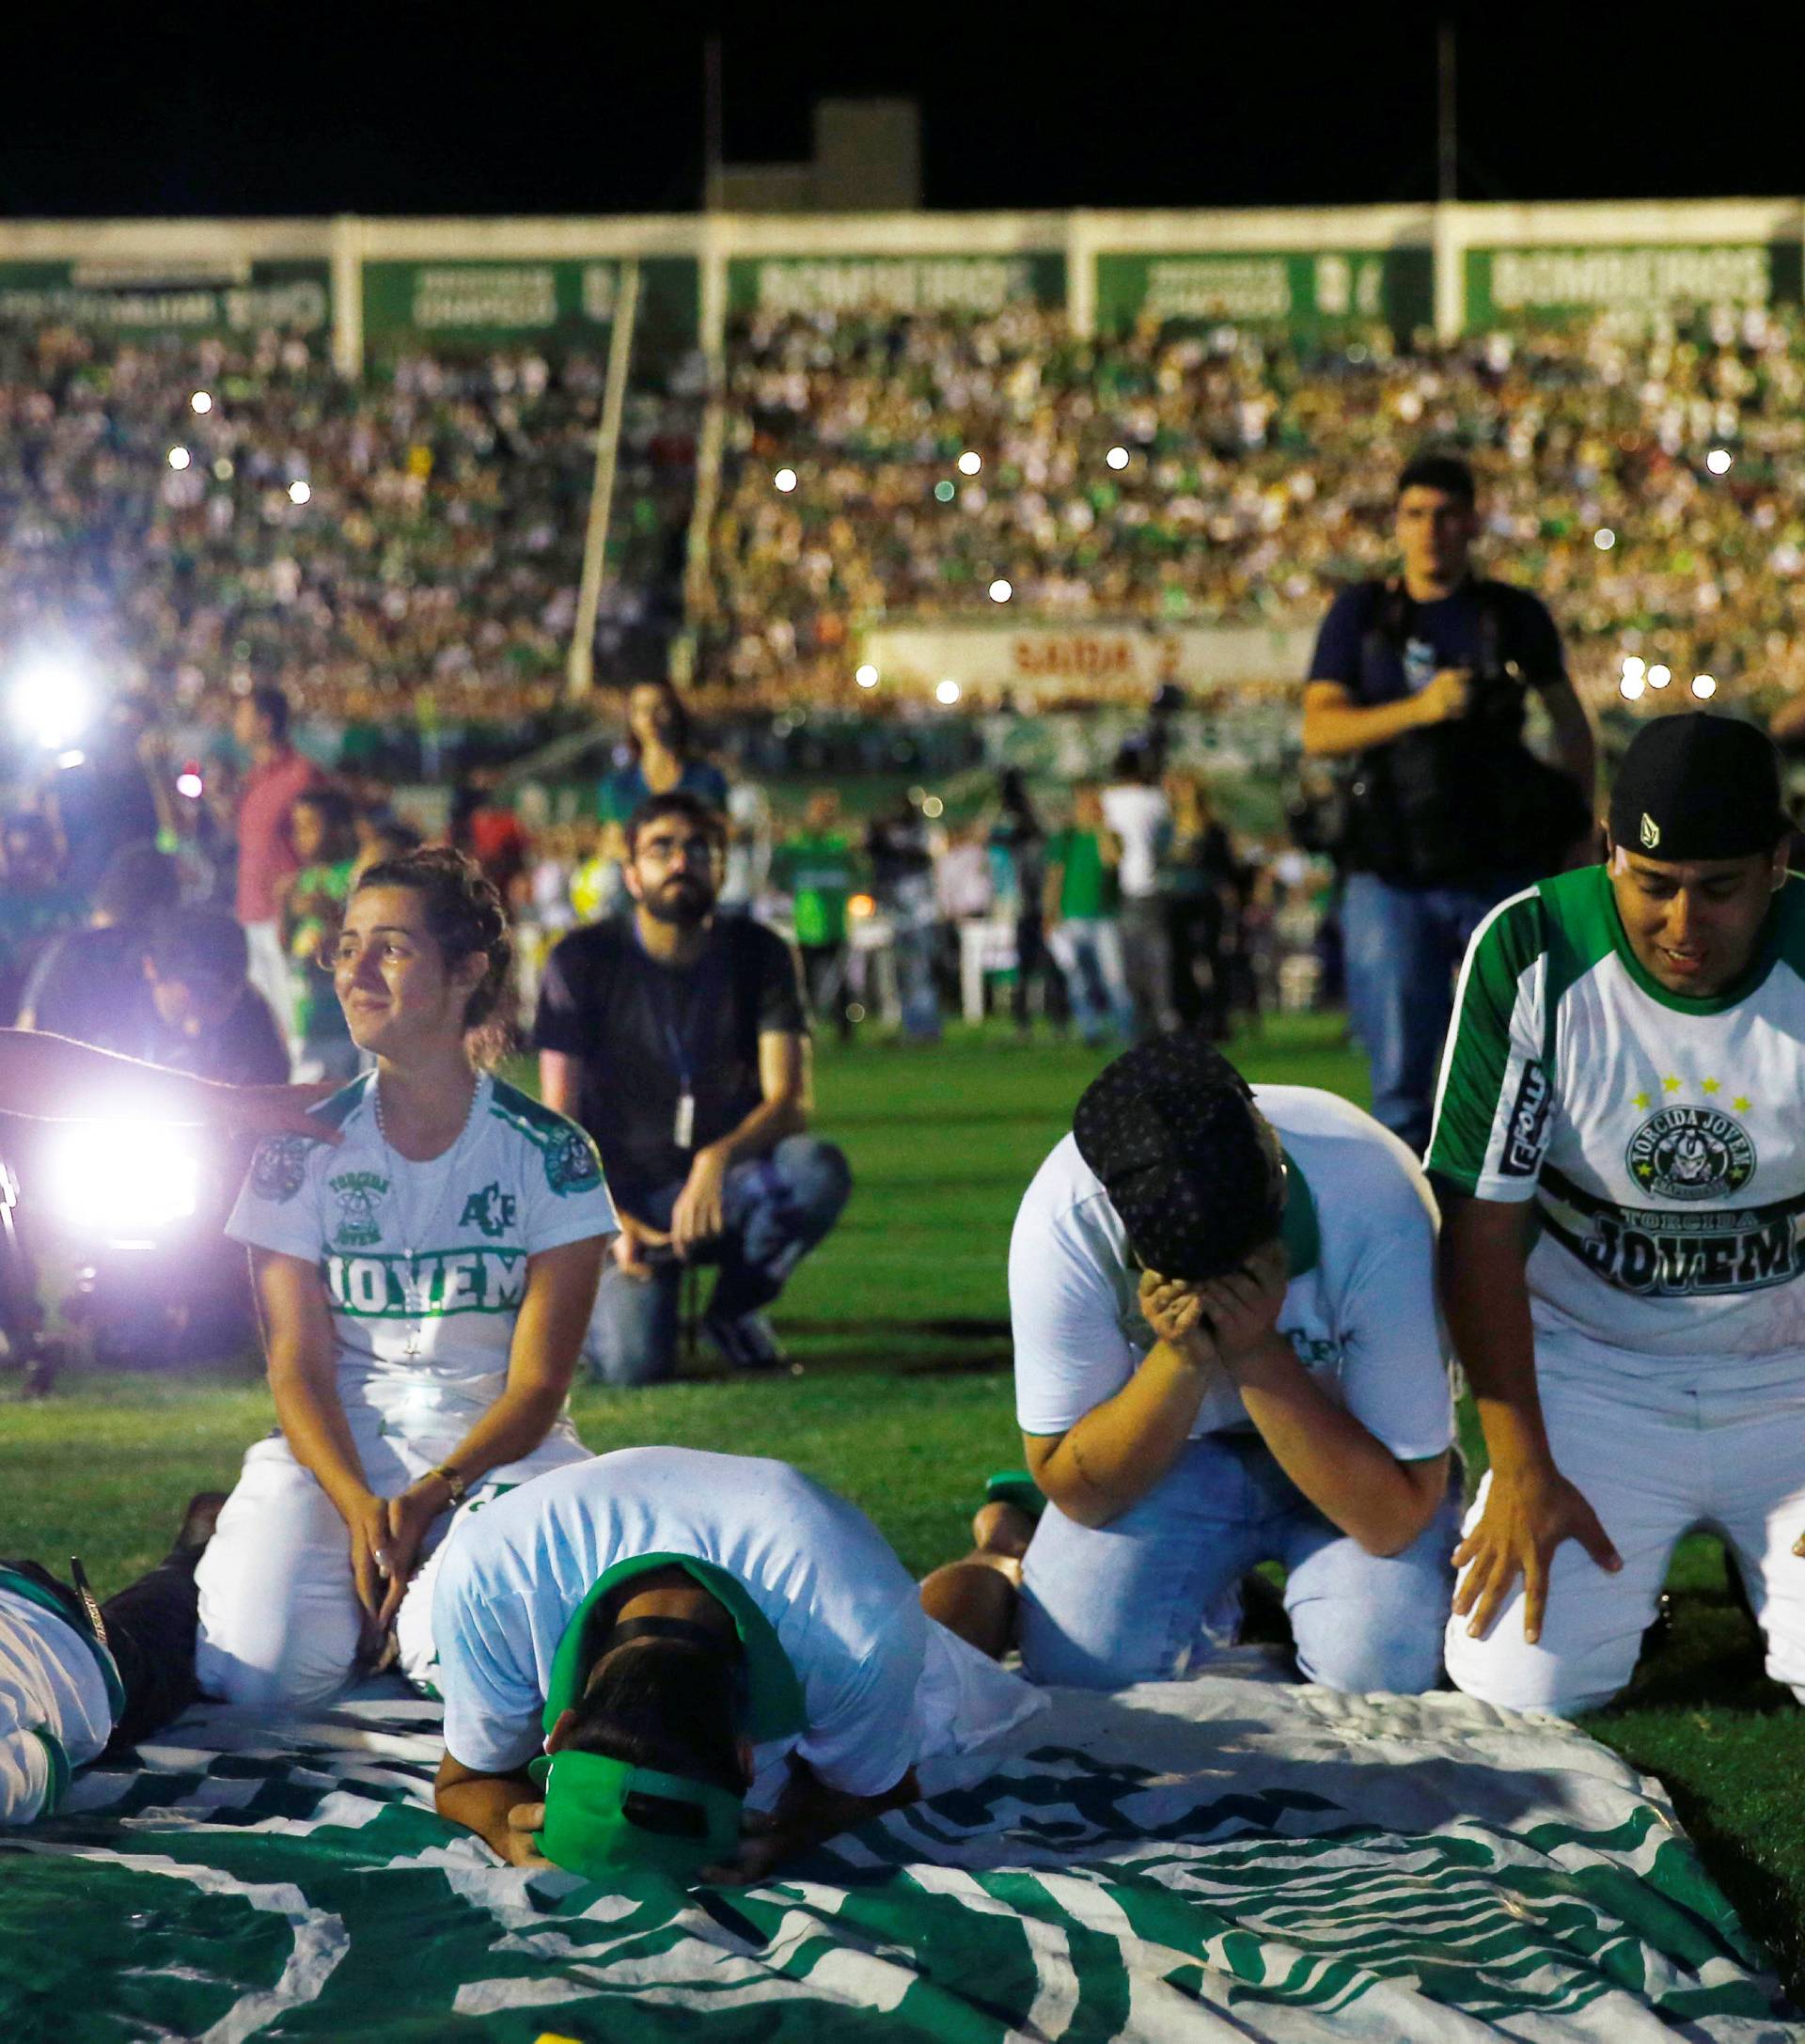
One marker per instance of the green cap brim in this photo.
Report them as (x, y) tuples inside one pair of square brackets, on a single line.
[(603, 1819)]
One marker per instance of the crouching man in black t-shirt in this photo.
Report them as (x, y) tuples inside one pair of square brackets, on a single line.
[(678, 1039)]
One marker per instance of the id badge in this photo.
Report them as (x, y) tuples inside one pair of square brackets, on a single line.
[(683, 1129)]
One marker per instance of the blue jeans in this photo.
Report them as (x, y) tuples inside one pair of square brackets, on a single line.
[(1402, 948), (775, 1209), (1088, 949), (1149, 1596)]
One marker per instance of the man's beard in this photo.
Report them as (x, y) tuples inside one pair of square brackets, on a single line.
[(681, 902)]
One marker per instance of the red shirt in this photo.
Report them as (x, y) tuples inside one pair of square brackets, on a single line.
[(266, 854)]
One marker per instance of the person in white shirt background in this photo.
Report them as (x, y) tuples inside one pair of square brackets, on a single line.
[(1135, 809)]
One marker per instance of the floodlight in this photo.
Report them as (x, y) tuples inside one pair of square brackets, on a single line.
[(51, 700)]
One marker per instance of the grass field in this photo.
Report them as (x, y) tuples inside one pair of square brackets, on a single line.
[(901, 1322)]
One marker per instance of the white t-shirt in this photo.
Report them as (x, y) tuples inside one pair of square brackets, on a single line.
[(1140, 817), (843, 1606), (1658, 1134), (1361, 1317), (55, 1711), (519, 1180)]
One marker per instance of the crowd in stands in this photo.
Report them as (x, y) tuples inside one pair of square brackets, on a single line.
[(1256, 479), (402, 555)]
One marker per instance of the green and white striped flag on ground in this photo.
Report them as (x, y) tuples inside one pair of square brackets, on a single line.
[(1217, 1858)]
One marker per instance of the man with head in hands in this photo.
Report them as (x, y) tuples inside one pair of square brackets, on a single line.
[(1227, 1352), (1622, 1167)]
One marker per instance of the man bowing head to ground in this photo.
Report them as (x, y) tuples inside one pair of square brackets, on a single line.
[(624, 1644), (1227, 1352)]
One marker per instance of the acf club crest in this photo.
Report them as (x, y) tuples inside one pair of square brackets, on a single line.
[(1691, 1154)]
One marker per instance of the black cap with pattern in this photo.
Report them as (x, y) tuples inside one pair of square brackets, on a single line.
[(1694, 786), (1170, 1129)]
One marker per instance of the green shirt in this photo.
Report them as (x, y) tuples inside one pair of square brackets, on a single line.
[(1087, 886), (819, 874)]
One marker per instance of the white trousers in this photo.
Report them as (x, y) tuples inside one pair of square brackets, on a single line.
[(268, 973), (53, 1710), (1653, 1459), (279, 1616)]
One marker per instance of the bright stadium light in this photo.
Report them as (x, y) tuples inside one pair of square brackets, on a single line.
[(1703, 685), (866, 676), (943, 492), (1719, 461), (202, 402), (180, 457), (130, 1177), (947, 691), (785, 479), (1603, 539), (1635, 667), (1660, 676), (1001, 592), (299, 492), (1117, 457), (1631, 686), (51, 701), (970, 463)]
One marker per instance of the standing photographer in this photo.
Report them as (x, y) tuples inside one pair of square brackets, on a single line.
[(1424, 677)]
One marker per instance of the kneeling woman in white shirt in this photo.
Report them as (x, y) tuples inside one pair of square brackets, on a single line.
[(424, 1288)]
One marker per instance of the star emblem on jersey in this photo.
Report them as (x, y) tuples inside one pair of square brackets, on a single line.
[(1685, 1153), (357, 1193), (1650, 832)]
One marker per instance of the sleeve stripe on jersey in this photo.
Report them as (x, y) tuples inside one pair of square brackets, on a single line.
[(1478, 1051)]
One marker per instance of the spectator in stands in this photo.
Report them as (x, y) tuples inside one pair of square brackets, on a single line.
[(816, 867), (35, 905), (1137, 813), (1422, 677), (490, 830), (105, 799), (677, 1038), (1082, 919), (89, 984), (266, 854)]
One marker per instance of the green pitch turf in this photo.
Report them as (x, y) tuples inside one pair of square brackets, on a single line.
[(901, 1324)]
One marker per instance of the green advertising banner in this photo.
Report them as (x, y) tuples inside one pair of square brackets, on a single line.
[(138, 300), (949, 283), (491, 304), (1294, 288), (1507, 285)]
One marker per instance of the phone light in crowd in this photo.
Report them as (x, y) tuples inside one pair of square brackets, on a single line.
[(943, 492), (785, 479), (866, 676), (1603, 539), (932, 807), (1117, 458), (1635, 667), (1719, 461), (970, 463), (858, 907), (202, 402), (180, 457), (1001, 592), (222, 470), (947, 691), (299, 492), (1703, 686), (1660, 676), (1631, 686), (189, 783), (50, 702)]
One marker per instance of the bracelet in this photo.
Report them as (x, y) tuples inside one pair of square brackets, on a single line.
[(459, 1489)]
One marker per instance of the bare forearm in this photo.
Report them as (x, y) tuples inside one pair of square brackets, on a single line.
[(511, 1428), (766, 1126), (481, 1802), (1576, 748), (52, 1078), (1486, 1297), (314, 1425), (1346, 1474), (1332, 730), (1121, 1449)]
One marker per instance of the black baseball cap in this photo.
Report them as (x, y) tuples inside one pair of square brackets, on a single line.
[(1171, 1131), (1695, 786)]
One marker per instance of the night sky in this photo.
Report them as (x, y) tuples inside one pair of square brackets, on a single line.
[(518, 109)]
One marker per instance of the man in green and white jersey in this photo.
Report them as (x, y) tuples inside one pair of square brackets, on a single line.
[(1621, 1156)]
